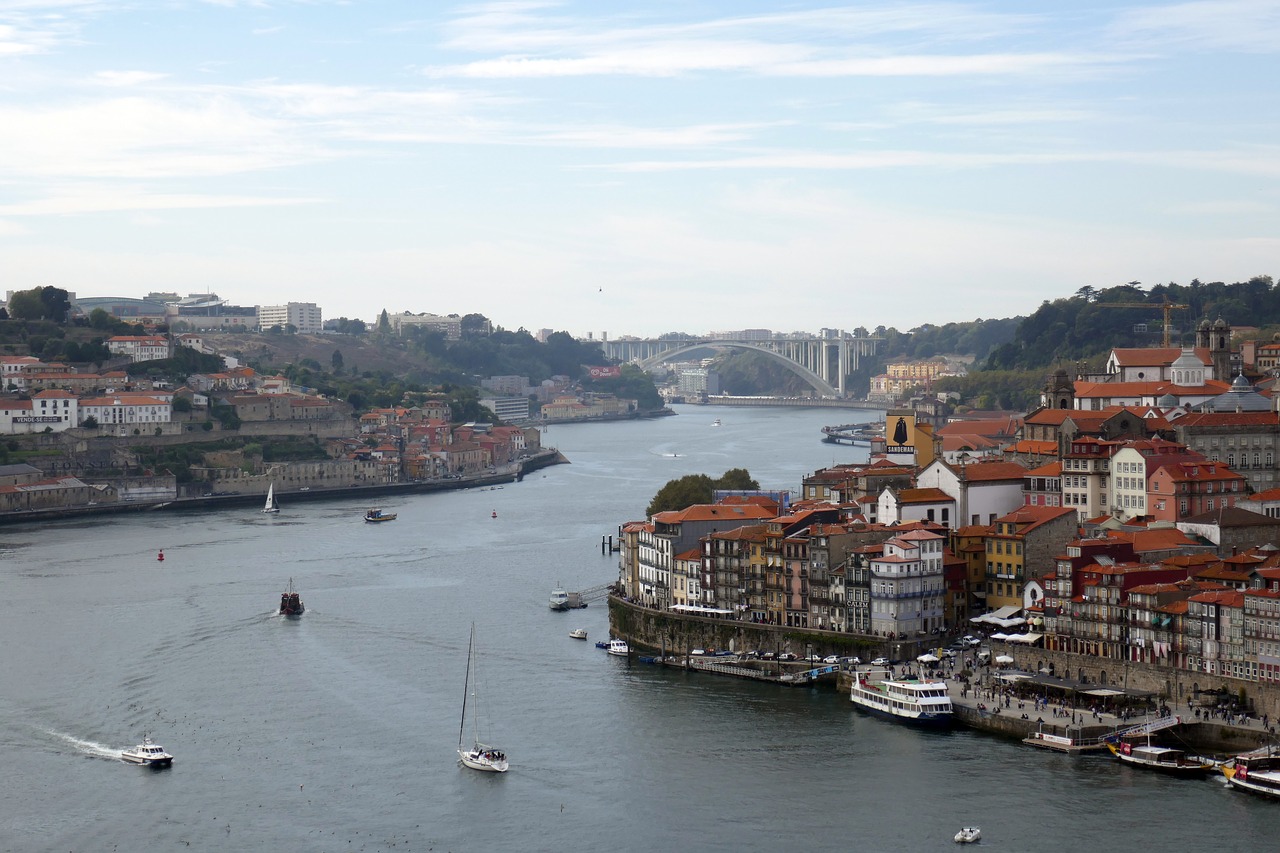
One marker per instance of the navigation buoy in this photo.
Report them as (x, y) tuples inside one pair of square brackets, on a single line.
[(160, 556), (494, 514)]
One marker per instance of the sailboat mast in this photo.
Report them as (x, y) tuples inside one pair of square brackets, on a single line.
[(466, 684)]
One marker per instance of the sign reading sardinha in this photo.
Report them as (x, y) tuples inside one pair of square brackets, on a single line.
[(612, 372)]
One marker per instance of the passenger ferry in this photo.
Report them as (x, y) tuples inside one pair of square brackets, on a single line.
[(1257, 774), (906, 700)]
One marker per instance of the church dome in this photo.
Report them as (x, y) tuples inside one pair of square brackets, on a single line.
[(1241, 398)]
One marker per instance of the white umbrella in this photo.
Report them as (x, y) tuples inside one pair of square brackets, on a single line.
[(927, 658), (1003, 659)]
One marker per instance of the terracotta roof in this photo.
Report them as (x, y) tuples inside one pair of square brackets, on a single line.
[(923, 496), (1053, 469), (1156, 356), (1229, 419), (712, 512), (1233, 516), (989, 472)]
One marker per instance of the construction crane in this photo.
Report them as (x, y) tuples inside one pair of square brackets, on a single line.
[(1165, 306)]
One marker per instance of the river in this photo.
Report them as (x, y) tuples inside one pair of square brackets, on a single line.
[(337, 731)]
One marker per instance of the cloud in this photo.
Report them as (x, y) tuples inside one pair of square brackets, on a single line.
[(1235, 25), (126, 78), (101, 198)]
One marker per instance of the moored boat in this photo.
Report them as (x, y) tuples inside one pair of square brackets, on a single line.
[(906, 700), (147, 754), (578, 633), (619, 648), (374, 514), (559, 599), (968, 835), (291, 602), (1162, 759), (1257, 774)]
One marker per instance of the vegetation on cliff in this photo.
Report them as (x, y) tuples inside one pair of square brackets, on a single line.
[(695, 489)]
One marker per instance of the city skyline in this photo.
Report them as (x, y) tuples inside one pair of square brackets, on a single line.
[(672, 168)]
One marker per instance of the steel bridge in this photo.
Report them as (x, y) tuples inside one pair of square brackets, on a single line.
[(823, 362)]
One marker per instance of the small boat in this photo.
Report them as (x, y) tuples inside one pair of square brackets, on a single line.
[(147, 754), (905, 700), (479, 756), (619, 648), (375, 514), (1175, 762), (601, 644), (578, 633), (968, 835), (291, 602), (559, 599), (272, 505), (716, 422), (1257, 774)]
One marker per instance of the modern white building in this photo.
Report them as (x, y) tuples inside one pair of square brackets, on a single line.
[(139, 347), (303, 316), (125, 411), (508, 409)]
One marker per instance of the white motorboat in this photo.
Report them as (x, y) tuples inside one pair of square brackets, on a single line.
[(578, 633), (147, 754), (480, 756), (619, 648), (968, 835), (716, 422), (559, 599), (906, 700), (272, 505)]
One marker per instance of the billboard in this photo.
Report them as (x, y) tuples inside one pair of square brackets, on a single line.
[(605, 372)]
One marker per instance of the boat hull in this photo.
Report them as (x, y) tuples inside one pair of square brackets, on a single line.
[(147, 761), (1270, 790), (924, 720), (1188, 770), (477, 761)]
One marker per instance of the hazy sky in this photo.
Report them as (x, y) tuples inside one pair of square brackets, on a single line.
[(638, 168)]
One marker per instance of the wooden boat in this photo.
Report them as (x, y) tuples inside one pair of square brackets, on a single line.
[(374, 514), (291, 602), (1162, 759), (1257, 774)]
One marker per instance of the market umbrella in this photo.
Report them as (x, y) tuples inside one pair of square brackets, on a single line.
[(1003, 659), (928, 658)]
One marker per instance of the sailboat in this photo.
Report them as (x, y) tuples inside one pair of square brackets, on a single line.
[(480, 756), (271, 506)]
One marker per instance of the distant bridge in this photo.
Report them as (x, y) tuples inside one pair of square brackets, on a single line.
[(823, 362)]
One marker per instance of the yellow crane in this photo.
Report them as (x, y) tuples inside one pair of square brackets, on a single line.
[(1165, 306)]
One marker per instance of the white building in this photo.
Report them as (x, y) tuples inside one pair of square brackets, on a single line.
[(983, 491), (125, 411), (450, 326), (139, 347), (303, 316), (508, 409), (56, 410), (907, 586)]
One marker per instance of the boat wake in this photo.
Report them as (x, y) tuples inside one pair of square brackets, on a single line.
[(88, 748)]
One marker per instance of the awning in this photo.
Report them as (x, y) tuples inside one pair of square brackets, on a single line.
[(999, 636), (692, 608), (1013, 676), (998, 617), (1003, 659), (1027, 638), (1103, 691)]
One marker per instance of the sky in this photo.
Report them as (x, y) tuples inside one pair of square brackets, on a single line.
[(635, 169)]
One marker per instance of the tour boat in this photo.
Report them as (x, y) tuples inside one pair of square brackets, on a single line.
[(968, 835), (479, 756), (559, 599), (619, 648), (147, 754), (1160, 758), (271, 506), (578, 633), (375, 514), (906, 700), (291, 602), (1257, 774)]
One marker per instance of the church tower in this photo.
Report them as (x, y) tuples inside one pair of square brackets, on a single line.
[(1059, 392), (1216, 338)]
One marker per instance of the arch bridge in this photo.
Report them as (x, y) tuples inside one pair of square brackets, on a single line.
[(823, 362)]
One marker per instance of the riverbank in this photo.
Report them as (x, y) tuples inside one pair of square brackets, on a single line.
[(369, 494)]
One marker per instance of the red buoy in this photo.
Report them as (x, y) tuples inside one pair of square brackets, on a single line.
[(495, 514), (160, 557)]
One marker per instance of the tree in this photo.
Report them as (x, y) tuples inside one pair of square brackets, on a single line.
[(26, 305), (99, 319), (90, 422), (475, 324), (384, 323), (694, 489), (336, 361)]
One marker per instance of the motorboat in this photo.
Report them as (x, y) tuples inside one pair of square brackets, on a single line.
[(921, 702), (716, 422), (272, 505), (374, 514), (619, 648), (480, 756), (1257, 774), (578, 633), (559, 599), (291, 602), (147, 754), (968, 835), (1162, 759)]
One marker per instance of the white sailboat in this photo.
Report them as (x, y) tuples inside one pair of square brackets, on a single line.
[(480, 756), (271, 506)]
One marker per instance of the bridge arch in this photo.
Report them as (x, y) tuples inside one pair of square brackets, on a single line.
[(815, 381)]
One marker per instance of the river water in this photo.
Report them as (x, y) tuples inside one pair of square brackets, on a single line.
[(337, 731)]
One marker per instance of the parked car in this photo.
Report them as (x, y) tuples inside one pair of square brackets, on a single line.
[(768, 656), (786, 656), (880, 662), (971, 640), (948, 653), (851, 661), (831, 659)]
